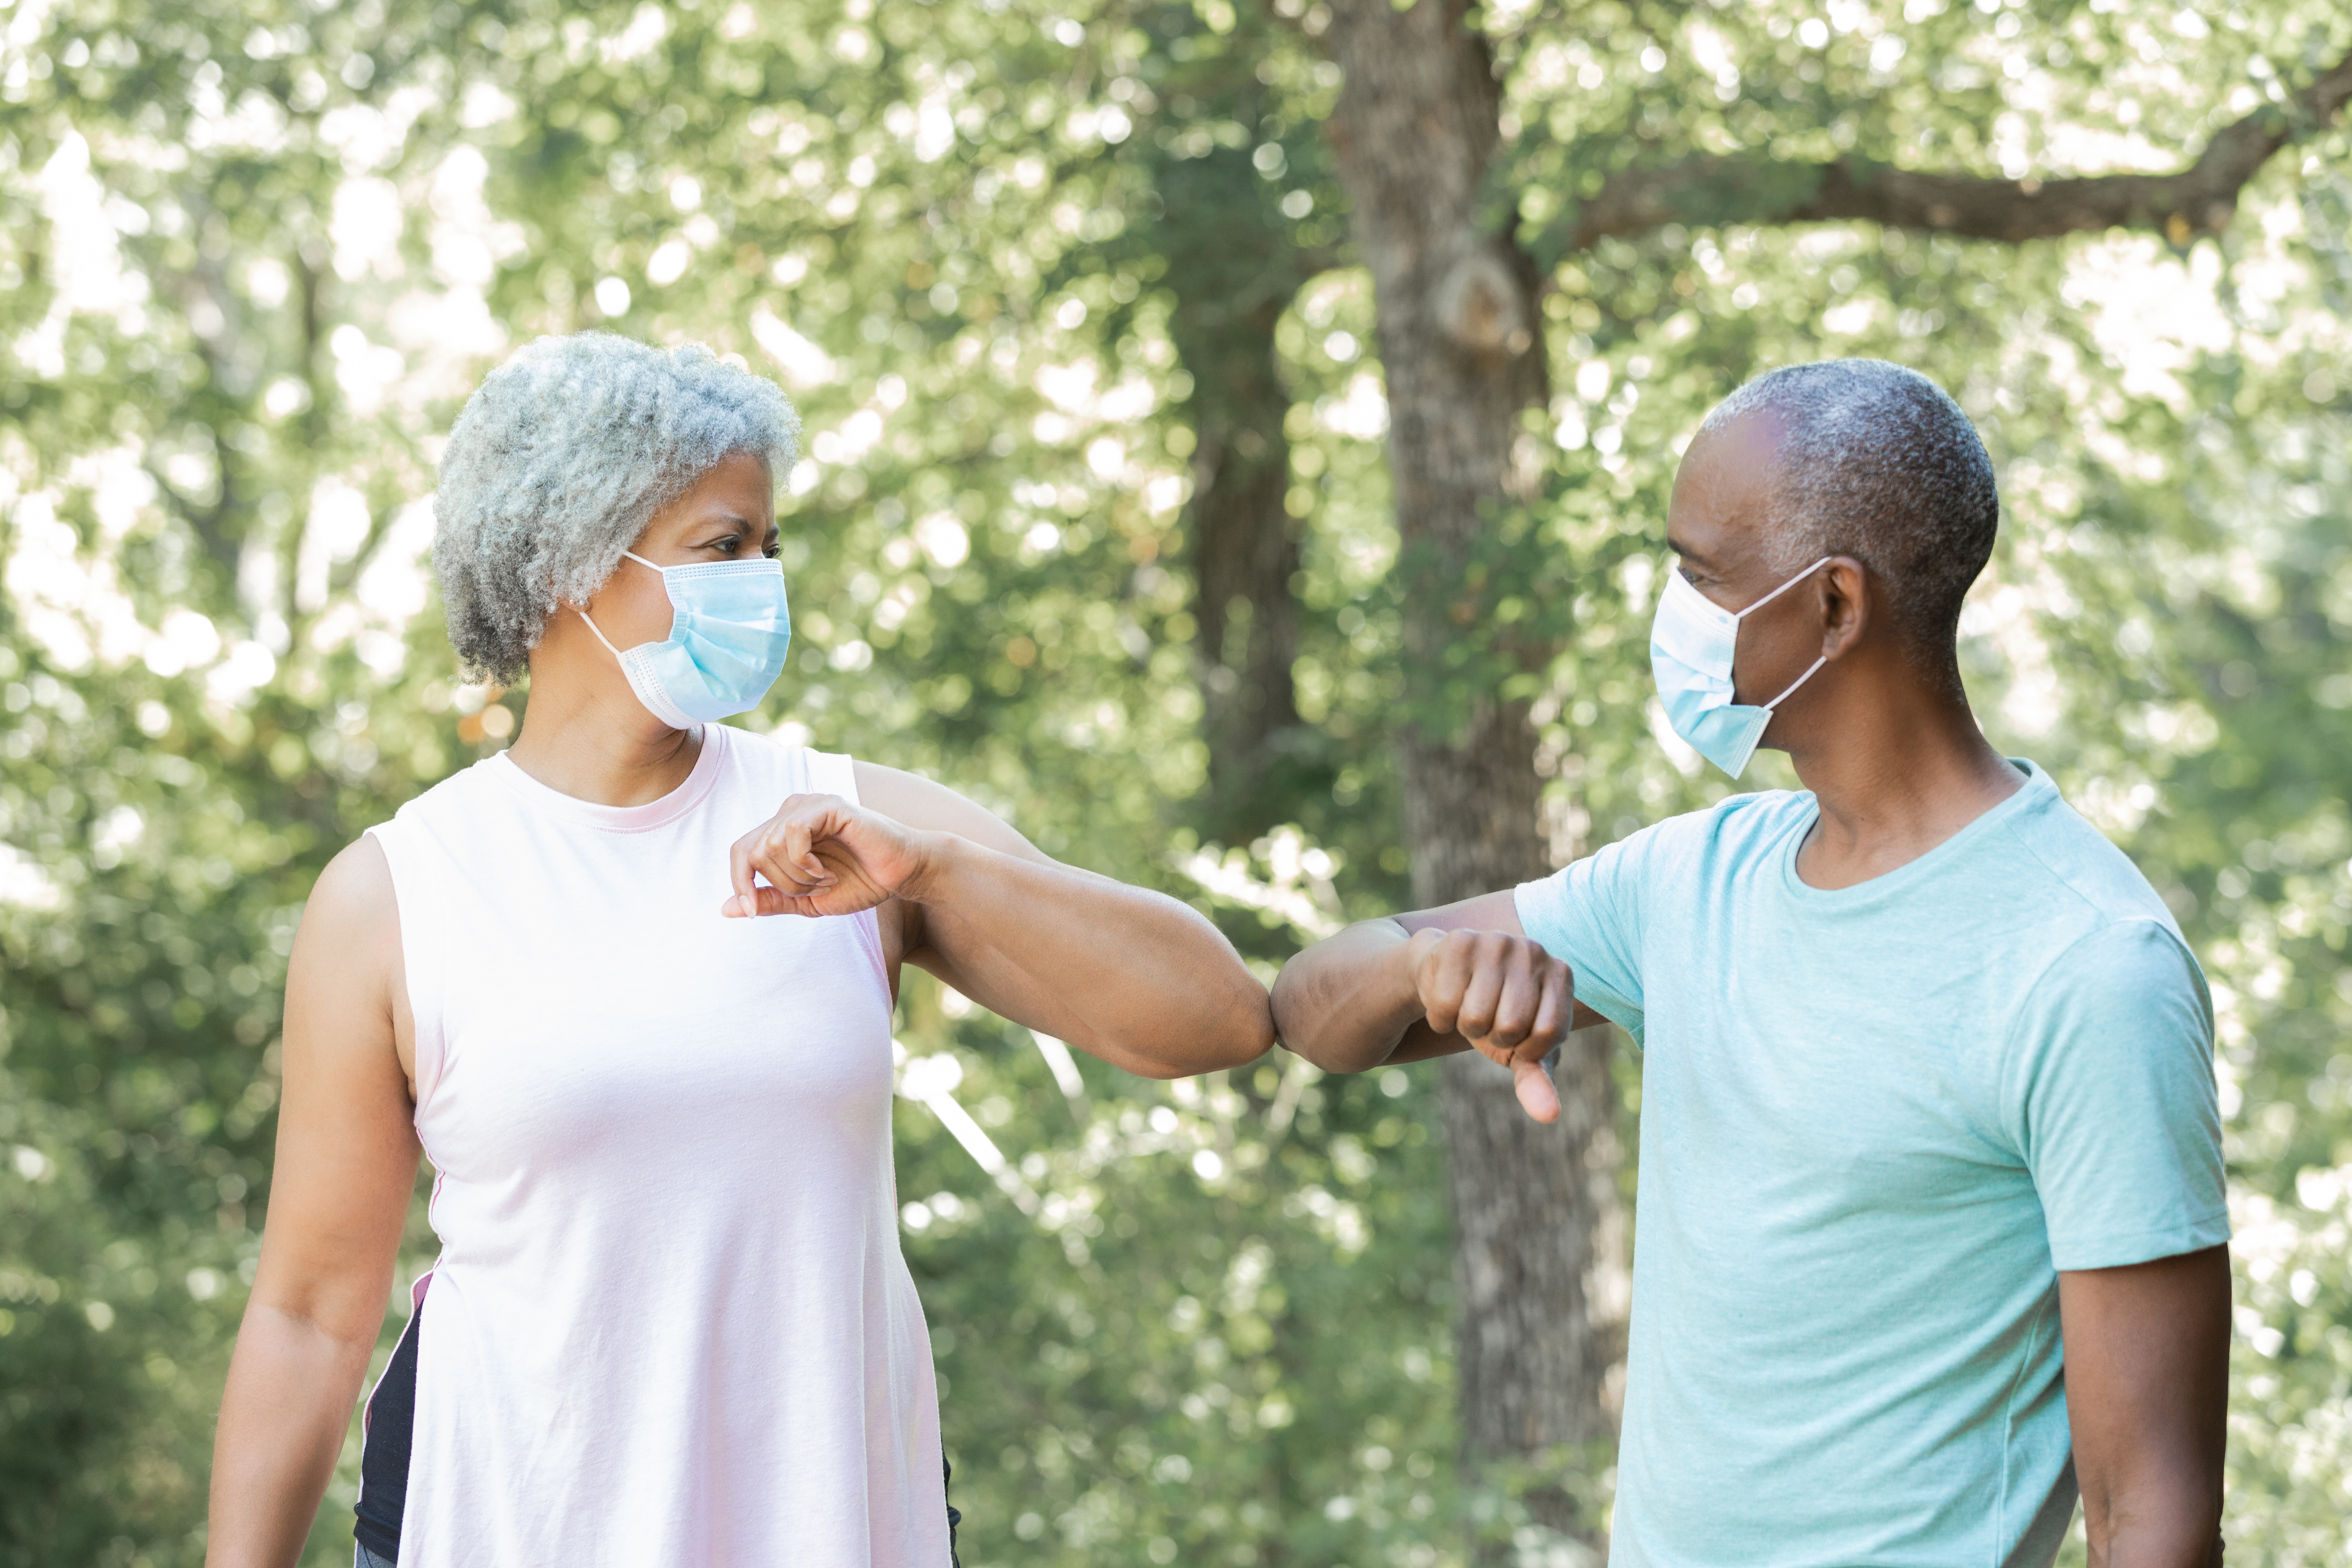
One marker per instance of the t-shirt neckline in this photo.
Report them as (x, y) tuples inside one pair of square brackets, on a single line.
[(659, 812), (2036, 788)]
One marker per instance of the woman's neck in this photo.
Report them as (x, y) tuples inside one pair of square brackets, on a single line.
[(599, 747)]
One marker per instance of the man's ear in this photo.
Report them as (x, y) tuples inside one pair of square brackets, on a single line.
[(1845, 605)]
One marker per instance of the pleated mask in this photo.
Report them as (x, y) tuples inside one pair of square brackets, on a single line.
[(1691, 643), (729, 626)]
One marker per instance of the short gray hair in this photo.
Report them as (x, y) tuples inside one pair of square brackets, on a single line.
[(558, 462), (1878, 462)]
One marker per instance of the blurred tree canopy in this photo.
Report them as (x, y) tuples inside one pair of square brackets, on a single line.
[(1096, 523)]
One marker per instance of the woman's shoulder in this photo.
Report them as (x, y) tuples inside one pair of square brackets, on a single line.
[(457, 793), (903, 796), (932, 806), (781, 765), (356, 892)]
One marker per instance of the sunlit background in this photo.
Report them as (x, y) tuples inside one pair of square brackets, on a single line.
[(253, 257)]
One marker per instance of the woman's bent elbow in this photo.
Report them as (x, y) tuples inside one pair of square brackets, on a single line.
[(1231, 1033), (1243, 1030), (1252, 1038)]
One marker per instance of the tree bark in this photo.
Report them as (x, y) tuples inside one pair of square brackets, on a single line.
[(1245, 543), (1414, 131)]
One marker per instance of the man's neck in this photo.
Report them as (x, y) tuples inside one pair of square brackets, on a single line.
[(1904, 773)]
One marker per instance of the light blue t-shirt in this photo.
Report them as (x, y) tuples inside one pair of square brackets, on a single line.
[(1876, 1122)]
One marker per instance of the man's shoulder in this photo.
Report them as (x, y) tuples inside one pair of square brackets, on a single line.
[(2105, 935), (2058, 844), (1737, 825), (1739, 829)]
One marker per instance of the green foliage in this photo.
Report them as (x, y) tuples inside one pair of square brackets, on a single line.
[(1172, 1350), (252, 260)]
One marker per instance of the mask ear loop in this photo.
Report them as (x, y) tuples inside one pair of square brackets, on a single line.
[(628, 554), (1796, 683), (600, 636), (1743, 615), (1767, 599)]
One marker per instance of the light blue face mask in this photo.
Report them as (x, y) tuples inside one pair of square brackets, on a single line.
[(1691, 643), (728, 629)]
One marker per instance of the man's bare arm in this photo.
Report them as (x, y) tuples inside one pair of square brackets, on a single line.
[(2147, 1390), (1462, 977)]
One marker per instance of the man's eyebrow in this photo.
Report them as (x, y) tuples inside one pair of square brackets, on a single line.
[(1695, 557)]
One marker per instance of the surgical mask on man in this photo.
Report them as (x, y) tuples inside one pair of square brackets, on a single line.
[(728, 629), (1691, 643)]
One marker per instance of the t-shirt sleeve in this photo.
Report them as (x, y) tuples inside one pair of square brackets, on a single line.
[(1588, 915), (2109, 1092)]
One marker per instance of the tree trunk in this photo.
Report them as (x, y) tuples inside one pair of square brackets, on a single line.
[(1244, 554), (1413, 132), (1230, 293)]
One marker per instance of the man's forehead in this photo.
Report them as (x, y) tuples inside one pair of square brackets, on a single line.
[(1746, 445), (1717, 516)]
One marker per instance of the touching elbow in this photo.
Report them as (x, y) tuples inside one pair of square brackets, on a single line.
[(1290, 1023), (1245, 1049), (1246, 1032), (1232, 1030), (1323, 1057), (1232, 1033)]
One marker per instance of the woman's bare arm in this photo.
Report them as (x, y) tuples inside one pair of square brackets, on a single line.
[(346, 1162), (1132, 976)]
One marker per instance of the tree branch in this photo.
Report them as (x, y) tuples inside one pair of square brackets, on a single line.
[(2199, 200)]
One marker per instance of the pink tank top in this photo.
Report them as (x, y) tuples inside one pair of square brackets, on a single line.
[(670, 1321)]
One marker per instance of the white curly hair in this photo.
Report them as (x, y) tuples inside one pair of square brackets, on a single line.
[(558, 462)]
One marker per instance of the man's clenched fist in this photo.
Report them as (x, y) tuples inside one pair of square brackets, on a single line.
[(1504, 994)]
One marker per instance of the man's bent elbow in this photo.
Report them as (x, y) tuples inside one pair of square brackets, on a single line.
[(1296, 1019), (1304, 1045)]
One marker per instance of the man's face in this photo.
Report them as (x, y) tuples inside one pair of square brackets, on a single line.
[(1717, 526)]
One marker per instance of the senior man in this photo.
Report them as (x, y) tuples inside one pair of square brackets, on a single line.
[(1930, 1209)]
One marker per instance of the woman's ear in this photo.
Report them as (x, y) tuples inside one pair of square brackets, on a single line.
[(1845, 605)]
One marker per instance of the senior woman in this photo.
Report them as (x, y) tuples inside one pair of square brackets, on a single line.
[(670, 1323)]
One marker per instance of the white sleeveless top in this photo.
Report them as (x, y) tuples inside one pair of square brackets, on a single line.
[(671, 1323)]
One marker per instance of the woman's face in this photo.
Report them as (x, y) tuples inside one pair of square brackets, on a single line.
[(729, 515)]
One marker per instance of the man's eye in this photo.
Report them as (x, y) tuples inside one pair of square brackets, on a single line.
[(772, 548)]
